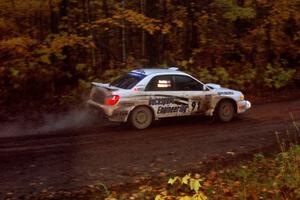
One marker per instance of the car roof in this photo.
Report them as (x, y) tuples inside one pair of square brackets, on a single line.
[(150, 71)]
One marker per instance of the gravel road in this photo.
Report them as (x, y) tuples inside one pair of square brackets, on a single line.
[(114, 154)]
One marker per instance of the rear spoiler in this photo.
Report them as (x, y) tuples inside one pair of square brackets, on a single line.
[(106, 86)]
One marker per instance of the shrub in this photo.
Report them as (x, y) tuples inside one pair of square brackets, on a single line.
[(185, 188), (277, 77)]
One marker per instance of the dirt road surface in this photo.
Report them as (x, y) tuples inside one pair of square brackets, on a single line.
[(113, 154)]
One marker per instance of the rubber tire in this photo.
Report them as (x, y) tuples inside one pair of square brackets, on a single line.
[(225, 111), (141, 117)]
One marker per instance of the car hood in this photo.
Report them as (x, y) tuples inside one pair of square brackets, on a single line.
[(221, 90)]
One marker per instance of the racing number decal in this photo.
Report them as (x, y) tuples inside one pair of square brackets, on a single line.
[(196, 105)]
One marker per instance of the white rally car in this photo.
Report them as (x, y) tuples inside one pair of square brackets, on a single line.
[(144, 95)]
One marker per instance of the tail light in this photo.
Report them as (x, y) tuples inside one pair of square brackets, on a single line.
[(136, 89), (112, 100)]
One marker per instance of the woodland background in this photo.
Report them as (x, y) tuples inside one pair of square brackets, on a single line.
[(50, 50)]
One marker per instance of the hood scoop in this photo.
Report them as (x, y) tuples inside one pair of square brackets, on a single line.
[(213, 86)]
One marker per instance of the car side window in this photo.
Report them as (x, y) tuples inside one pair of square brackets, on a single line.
[(160, 83), (186, 83)]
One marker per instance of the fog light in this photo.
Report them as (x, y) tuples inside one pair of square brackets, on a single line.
[(242, 98)]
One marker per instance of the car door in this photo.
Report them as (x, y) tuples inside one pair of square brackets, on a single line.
[(163, 98), (197, 95)]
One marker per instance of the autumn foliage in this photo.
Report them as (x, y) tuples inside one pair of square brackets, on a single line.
[(51, 50)]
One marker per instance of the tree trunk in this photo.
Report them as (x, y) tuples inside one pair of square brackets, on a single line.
[(142, 8), (104, 39), (63, 12), (269, 44), (162, 37), (53, 18), (190, 35), (64, 8), (92, 34), (151, 40), (124, 53), (253, 54)]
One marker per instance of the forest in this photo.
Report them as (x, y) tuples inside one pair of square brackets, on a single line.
[(50, 50)]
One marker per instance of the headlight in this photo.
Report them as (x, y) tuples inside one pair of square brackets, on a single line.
[(242, 98)]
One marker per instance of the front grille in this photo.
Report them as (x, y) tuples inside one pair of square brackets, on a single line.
[(98, 95)]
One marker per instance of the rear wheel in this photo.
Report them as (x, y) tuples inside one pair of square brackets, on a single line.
[(141, 117), (225, 111)]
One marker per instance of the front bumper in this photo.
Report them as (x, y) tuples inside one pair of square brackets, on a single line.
[(243, 106)]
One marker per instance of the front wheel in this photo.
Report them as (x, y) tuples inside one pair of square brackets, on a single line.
[(224, 111), (141, 117)]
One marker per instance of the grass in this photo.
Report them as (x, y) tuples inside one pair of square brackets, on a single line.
[(276, 177)]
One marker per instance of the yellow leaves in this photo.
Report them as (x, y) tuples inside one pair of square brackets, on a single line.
[(199, 196), (56, 45), (138, 18), (237, 184), (45, 59), (146, 23), (195, 185), (110, 198), (159, 197), (6, 26), (262, 2), (166, 28), (178, 23), (59, 42), (277, 76), (173, 180), (185, 198), (133, 18), (188, 184), (17, 45), (204, 18), (14, 72), (297, 36), (114, 21), (185, 179), (234, 11)]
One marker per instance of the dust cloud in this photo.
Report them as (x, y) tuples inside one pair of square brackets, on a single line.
[(49, 123)]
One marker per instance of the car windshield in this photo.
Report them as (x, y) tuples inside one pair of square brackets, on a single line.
[(128, 81)]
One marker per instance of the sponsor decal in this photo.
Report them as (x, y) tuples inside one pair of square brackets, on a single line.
[(166, 107), (196, 98), (225, 93), (196, 106), (161, 101), (166, 100), (172, 109)]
